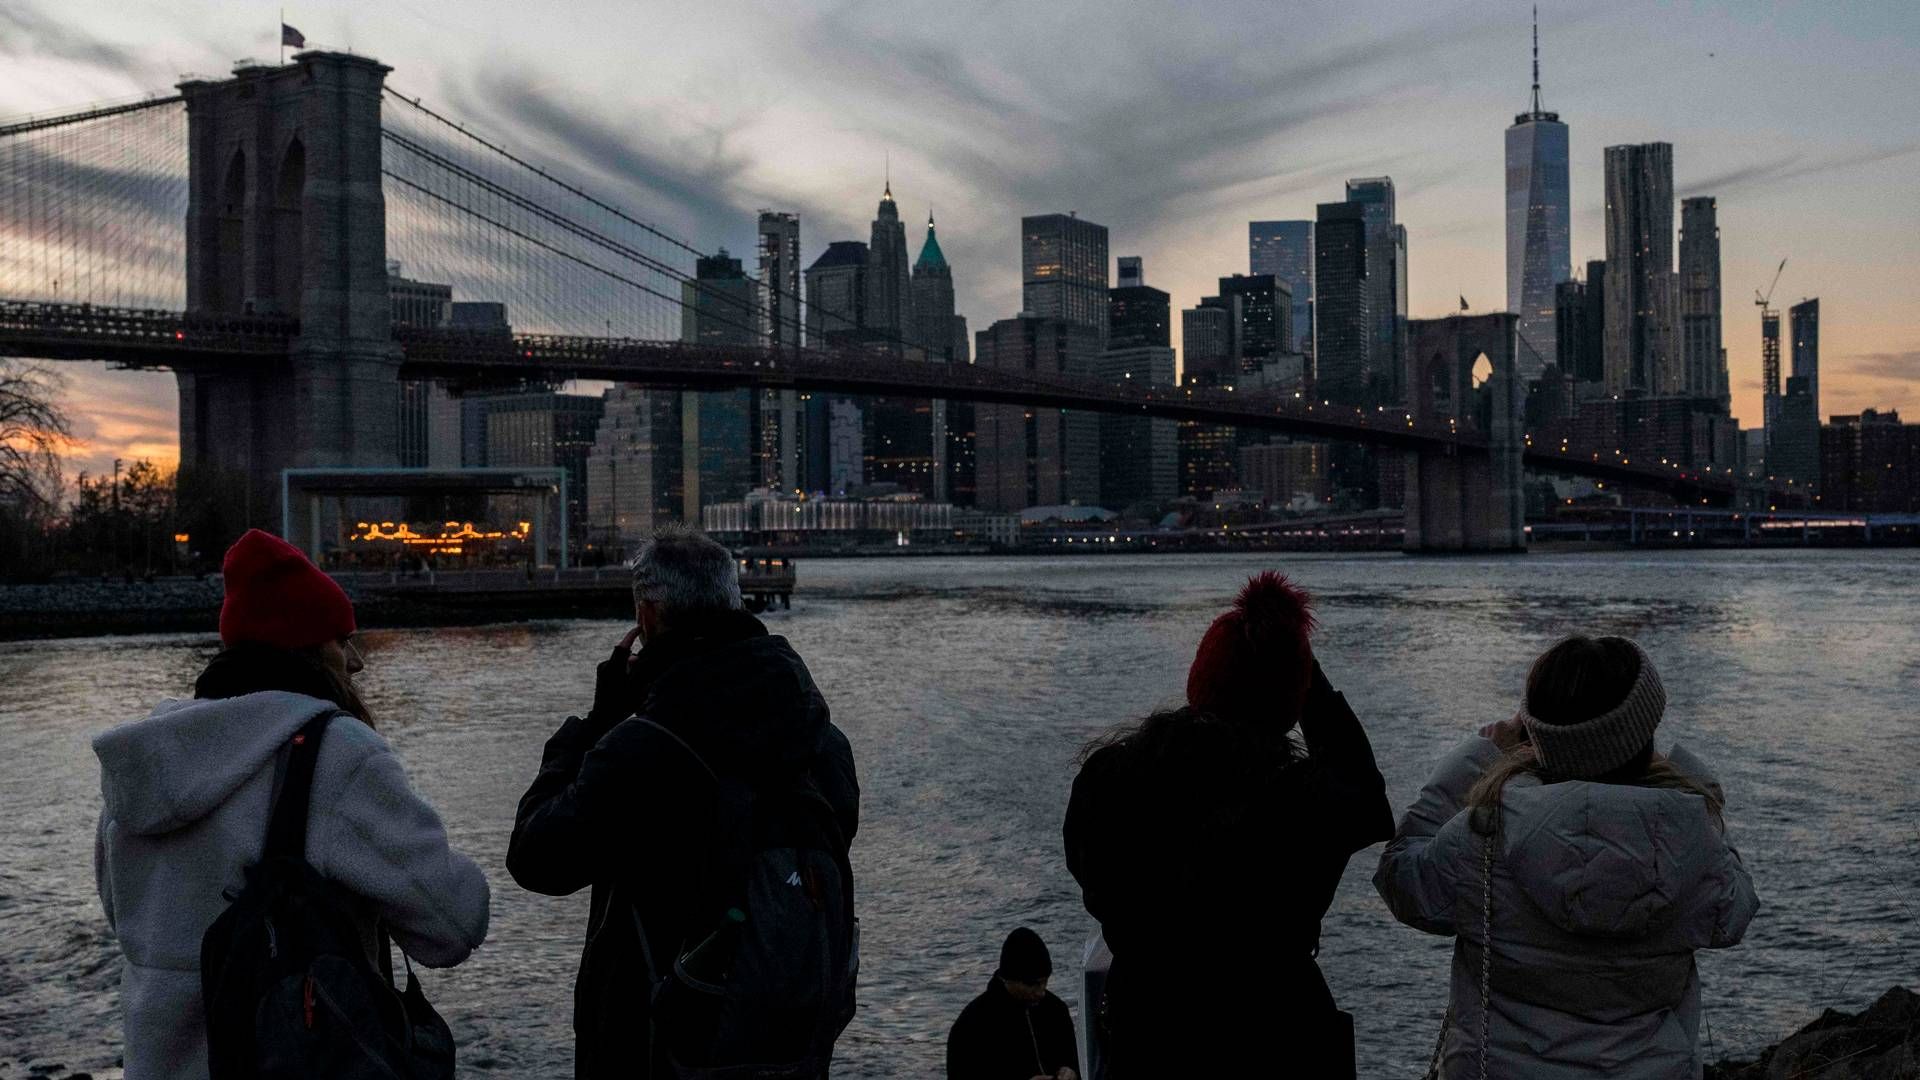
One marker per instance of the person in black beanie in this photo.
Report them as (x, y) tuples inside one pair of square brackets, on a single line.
[(1016, 1030)]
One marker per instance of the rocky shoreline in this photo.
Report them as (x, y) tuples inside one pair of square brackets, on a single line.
[(1881, 1042)]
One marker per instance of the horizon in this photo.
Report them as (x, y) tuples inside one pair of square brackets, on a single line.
[(1174, 137)]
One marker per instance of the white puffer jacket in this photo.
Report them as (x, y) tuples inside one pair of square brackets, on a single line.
[(188, 793), (1600, 895)]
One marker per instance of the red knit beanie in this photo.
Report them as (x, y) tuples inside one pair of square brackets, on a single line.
[(276, 597), (1255, 662)]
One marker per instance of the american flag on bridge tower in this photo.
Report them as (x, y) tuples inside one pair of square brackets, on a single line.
[(290, 36)]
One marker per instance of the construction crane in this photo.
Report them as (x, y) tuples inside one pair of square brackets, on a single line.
[(1769, 336)]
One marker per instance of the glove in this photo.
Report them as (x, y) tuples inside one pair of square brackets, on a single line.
[(612, 690)]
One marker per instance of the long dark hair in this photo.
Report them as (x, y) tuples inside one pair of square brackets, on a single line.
[(1577, 680), (250, 668)]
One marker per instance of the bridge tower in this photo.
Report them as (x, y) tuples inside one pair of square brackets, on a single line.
[(1462, 368), (285, 218)]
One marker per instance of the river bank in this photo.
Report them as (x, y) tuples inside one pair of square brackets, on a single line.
[(1880, 1042)]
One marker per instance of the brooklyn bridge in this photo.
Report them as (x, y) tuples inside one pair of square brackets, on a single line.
[(238, 233)]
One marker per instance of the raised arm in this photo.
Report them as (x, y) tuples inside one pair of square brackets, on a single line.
[(1414, 875), (1354, 792)]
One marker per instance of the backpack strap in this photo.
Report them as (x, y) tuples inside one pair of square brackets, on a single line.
[(287, 830)]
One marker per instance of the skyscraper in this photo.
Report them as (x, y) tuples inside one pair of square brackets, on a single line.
[(1702, 357), (1804, 320), (1386, 284), (933, 299), (1063, 270), (1139, 456), (1285, 250), (635, 480), (782, 437), (1262, 313), (1207, 334), (836, 318), (1539, 246), (1640, 354), (1343, 325), (717, 427), (1026, 455), (889, 281), (1137, 313), (1580, 310)]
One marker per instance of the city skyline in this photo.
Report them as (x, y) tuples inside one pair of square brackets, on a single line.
[(1173, 160)]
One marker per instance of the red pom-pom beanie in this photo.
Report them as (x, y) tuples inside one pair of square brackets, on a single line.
[(276, 597), (1255, 662)]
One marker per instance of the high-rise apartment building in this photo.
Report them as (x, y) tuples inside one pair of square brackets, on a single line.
[(1386, 284), (1139, 456), (782, 436), (718, 307), (722, 456), (1580, 319), (1539, 244), (1261, 317), (1343, 322), (1285, 250), (836, 319), (1026, 455), (635, 479), (1804, 321), (1702, 356), (905, 437), (1870, 463), (1206, 332), (1641, 358), (1137, 313), (1063, 270)]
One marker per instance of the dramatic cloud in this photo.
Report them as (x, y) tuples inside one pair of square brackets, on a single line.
[(1779, 170), (1890, 366)]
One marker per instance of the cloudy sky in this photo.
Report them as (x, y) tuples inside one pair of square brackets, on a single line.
[(1172, 124)]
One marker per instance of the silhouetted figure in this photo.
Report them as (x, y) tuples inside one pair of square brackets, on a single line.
[(1598, 866), (1016, 1029), (1208, 844), (709, 802)]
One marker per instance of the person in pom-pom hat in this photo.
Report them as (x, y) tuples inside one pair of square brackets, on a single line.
[(1208, 841), (190, 789)]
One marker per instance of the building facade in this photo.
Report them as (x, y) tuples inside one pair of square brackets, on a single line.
[(1343, 316), (1025, 455), (1137, 313), (1870, 463), (1386, 258), (836, 318), (1285, 250), (1139, 456), (1580, 322), (1063, 270), (546, 429), (1260, 317), (1703, 357), (781, 434), (635, 478), (1539, 232), (1641, 356)]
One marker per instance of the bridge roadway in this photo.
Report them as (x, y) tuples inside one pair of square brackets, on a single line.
[(156, 339)]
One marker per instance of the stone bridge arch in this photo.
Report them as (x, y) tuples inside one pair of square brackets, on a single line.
[(1459, 502)]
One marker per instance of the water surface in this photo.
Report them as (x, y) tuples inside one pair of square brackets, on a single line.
[(966, 687)]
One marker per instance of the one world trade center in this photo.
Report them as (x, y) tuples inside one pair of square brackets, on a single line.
[(1538, 255)]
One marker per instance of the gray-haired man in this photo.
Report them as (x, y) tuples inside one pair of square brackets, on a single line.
[(706, 790)]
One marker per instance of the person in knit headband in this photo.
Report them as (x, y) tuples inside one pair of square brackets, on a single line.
[(1208, 841), (1578, 869)]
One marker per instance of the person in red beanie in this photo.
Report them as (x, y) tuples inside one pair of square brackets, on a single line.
[(189, 791), (1208, 842)]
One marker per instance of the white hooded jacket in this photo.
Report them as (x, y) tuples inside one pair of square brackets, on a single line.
[(188, 795), (1600, 895)]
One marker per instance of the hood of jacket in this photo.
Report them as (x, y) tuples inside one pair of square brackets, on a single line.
[(183, 760), (741, 696), (1607, 860)]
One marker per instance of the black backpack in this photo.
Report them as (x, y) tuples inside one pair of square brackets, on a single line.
[(765, 983), (288, 989)]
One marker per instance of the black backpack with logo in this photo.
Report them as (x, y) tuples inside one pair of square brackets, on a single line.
[(288, 989), (763, 989)]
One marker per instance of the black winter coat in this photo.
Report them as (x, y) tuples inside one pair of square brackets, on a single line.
[(999, 1038), (619, 807), (1209, 854)]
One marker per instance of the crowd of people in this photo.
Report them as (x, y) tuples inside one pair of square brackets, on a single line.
[(260, 850)]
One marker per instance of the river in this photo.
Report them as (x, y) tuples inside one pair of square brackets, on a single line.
[(967, 686)]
